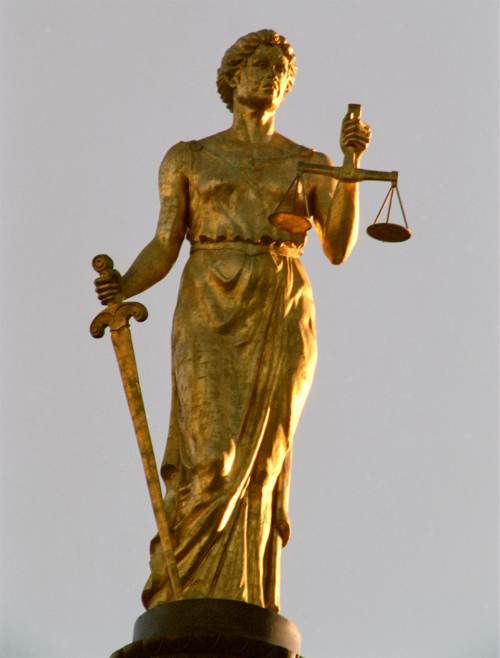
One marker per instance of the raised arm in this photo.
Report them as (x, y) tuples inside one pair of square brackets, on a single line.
[(157, 258), (334, 205)]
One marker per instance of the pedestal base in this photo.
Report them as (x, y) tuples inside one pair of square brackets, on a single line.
[(212, 628)]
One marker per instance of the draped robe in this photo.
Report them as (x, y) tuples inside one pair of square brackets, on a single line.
[(243, 358)]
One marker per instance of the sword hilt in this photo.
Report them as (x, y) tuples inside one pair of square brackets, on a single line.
[(116, 315), (104, 266)]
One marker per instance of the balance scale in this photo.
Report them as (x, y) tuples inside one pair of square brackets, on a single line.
[(289, 220)]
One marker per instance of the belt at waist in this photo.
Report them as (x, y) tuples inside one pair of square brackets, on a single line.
[(250, 248)]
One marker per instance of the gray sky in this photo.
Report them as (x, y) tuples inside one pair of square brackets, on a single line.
[(394, 489)]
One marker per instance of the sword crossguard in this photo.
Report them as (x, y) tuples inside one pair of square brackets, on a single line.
[(117, 316)]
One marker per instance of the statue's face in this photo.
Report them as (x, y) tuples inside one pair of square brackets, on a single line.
[(263, 81)]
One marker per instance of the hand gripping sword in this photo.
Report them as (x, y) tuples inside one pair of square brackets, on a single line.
[(117, 317)]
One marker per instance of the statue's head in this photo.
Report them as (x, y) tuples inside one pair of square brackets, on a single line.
[(236, 57)]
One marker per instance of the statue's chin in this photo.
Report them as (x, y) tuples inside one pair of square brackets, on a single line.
[(262, 103)]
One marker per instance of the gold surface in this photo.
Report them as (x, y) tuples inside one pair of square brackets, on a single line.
[(243, 337)]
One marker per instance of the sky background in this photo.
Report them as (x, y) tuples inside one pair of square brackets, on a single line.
[(394, 500)]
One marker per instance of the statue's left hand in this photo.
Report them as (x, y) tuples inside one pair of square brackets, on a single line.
[(354, 137)]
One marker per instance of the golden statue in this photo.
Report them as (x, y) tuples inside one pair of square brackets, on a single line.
[(243, 337)]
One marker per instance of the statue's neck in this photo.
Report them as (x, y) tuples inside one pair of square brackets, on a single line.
[(251, 126)]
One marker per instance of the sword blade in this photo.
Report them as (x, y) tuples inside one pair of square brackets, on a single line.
[(124, 350)]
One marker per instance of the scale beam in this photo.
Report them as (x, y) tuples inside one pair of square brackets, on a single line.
[(348, 174)]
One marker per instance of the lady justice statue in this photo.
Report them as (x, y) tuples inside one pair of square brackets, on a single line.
[(243, 337)]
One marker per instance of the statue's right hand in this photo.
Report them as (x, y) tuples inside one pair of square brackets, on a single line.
[(109, 287)]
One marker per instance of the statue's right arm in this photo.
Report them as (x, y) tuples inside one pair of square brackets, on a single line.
[(157, 258)]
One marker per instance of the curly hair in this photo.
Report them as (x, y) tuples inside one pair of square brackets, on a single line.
[(235, 58)]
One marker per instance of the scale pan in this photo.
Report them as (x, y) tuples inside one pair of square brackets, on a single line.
[(389, 232), (290, 221)]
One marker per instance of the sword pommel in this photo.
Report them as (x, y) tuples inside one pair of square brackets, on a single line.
[(102, 263)]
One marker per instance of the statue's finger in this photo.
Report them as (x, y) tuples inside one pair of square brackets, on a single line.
[(351, 134), (357, 137), (105, 299), (356, 130), (106, 291), (104, 279), (358, 142), (107, 287)]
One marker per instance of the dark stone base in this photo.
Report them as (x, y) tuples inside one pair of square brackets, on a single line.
[(212, 628)]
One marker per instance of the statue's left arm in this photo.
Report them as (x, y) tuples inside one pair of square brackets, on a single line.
[(335, 205)]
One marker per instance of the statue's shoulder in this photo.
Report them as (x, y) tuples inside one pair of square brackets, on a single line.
[(180, 158), (182, 150), (321, 159), (305, 153), (294, 149), (177, 159)]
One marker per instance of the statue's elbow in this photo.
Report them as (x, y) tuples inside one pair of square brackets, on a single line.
[(338, 246), (339, 253), (336, 256)]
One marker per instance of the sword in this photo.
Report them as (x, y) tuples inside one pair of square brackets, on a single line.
[(116, 316)]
